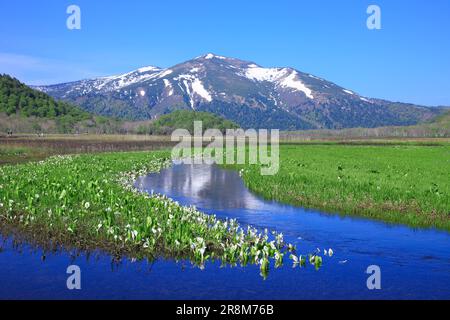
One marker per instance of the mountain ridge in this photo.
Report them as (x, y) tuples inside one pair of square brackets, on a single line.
[(241, 91)]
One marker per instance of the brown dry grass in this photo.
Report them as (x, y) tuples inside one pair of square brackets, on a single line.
[(38, 148)]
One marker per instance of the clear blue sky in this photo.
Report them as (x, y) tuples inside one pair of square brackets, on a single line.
[(408, 60)]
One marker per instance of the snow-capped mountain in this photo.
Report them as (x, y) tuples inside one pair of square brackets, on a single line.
[(242, 91)]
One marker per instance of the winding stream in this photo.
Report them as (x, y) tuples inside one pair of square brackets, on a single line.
[(415, 264)]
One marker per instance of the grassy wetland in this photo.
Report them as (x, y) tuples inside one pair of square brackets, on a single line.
[(404, 182), (88, 201)]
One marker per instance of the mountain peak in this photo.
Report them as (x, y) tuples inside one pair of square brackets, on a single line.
[(243, 91), (210, 56)]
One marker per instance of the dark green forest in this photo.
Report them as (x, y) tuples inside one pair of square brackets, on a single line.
[(16, 97)]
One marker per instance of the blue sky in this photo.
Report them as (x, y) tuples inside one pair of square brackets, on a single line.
[(407, 60)]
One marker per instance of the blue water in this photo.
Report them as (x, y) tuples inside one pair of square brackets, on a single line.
[(415, 264)]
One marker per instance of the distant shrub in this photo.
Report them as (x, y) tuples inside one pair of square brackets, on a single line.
[(184, 119)]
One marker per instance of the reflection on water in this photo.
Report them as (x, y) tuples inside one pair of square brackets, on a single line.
[(406, 256), (415, 264), (205, 186)]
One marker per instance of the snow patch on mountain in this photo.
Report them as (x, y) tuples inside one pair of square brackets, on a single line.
[(348, 91), (314, 77), (165, 73), (293, 81), (264, 74), (114, 83), (211, 56), (147, 69), (366, 100), (282, 77), (193, 86), (198, 88), (188, 92), (169, 87)]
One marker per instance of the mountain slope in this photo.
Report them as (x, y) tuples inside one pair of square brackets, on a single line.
[(16, 97), (241, 91), (25, 110)]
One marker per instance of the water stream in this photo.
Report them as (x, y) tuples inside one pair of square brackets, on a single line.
[(415, 264)]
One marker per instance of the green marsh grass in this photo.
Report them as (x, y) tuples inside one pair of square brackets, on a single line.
[(89, 201), (400, 184)]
